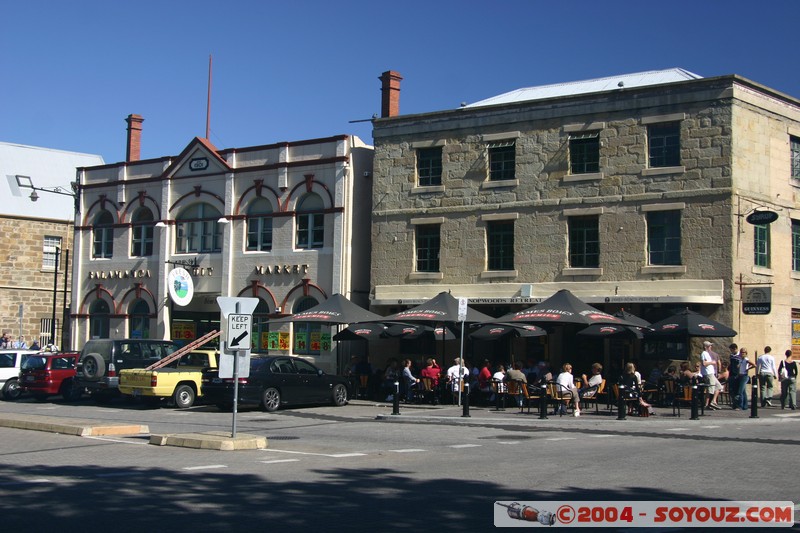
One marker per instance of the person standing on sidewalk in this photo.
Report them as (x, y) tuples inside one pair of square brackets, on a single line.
[(741, 392), (788, 373), (708, 370), (767, 372), (733, 374)]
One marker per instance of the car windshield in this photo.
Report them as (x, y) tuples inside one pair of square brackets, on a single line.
[(34, 362)]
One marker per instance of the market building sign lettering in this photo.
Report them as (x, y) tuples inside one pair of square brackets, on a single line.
[(282, 269), (119, 274)]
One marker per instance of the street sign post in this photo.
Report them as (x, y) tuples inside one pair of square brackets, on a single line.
[(236, 346)]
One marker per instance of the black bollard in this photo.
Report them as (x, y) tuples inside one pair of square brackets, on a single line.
[(396, 400), (622, 408), (543, 404), (465, 403), (754, 398), (695, 400)]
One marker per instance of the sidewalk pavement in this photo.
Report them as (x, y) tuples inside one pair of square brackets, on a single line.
[(490, 416)]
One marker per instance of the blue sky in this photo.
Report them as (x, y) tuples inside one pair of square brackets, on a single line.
[(283, 71)]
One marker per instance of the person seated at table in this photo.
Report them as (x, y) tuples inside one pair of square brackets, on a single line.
[(432, 372), (630, 387), (567, 383), (671, 373), (687, 374), (485, 378), (516, 374), (589, 386), (409, 381), (390, 376)]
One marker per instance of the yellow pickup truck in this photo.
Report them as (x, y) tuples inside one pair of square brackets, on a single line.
[(179, 382)]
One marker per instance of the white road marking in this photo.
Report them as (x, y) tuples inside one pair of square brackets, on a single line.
[(601, 436), (709, 427), (204, 467), (562, 438), (677, 429), (280, 461), (334, 455), (465, 445), (408, 450), (789, 415), (508, 442)]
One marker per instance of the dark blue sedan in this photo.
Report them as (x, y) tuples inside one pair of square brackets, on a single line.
[(277, 381)]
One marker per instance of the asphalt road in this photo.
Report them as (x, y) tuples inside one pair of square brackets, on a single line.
[(360, 468)]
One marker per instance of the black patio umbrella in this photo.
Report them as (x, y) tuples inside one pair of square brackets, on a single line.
[(335, 310), (614, 330), (687, 323), (491, 332), (366, 332), (561, 308), (415, 331), (441, 309)]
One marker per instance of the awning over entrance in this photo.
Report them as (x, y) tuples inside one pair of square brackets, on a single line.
[(697, 291)]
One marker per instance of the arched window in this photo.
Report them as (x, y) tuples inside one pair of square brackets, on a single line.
[(99, 320), (198, 230), (306, 334), (103, 235), (310, 222), (139, 320), (142, 233), (259, 226), (260, 326)]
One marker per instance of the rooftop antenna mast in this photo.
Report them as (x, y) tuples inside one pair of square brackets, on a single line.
[(208, 102)]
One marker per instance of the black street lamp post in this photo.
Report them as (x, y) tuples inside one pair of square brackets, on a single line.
[(55, 295)]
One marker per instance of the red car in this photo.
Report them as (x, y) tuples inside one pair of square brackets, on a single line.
[(48, 374)]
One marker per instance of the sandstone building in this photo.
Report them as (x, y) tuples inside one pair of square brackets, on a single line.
[(632, 191)]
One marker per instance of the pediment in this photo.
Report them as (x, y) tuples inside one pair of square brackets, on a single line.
[(199, 159)]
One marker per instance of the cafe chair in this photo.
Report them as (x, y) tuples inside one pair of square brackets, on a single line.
[(593, 394), (560, 396), (426, 390), (518, 390)]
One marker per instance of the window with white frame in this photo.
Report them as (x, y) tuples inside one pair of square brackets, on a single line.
[(198, 230), (259, 226), (796, 245), (794, 143), (50, 249), (310, 222), (103, 235), (142, 224)]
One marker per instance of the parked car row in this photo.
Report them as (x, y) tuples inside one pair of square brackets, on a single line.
[(108, 368)]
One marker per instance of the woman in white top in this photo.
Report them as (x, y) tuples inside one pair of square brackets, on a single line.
[(567, 381)]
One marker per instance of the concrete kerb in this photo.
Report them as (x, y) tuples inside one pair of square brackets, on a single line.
[(70, 426), (212, 440)]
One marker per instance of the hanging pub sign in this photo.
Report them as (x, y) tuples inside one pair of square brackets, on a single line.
[(762, 217), (757, 300)]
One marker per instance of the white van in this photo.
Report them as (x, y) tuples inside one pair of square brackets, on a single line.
[(10, 364)]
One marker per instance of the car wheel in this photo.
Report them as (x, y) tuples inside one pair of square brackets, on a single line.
[(183, 396), (339, 395), (94, 366), (69, 391), (271, 399), (11, 390)]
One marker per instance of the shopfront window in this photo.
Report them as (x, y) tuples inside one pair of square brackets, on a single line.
[(139, 320), (99, 320), (306, 334)]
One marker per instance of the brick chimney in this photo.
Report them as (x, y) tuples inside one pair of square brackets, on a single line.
[(390, 97), (134, 137)]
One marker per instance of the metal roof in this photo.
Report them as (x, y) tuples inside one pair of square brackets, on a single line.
[(611, 83), (45, 167)]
